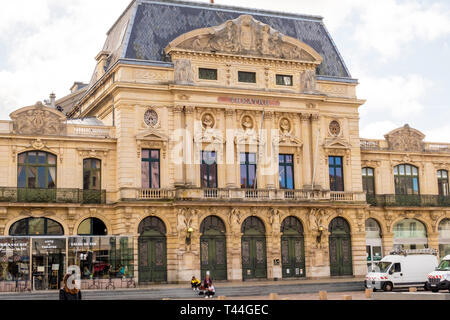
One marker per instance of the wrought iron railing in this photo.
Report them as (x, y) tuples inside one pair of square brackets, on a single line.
[(24, 195), (392, 200)]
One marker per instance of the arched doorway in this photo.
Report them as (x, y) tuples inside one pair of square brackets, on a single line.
[(340, 248), (152, 251), (254, 256), (374, 243), (292, 248), (444, 238), (410, 234), (213, 248)]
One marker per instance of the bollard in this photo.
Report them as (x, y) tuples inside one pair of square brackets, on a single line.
[(369, 293), (222, 298), (323, 295), (413, 289), (166, 299), (273, 296), (347, 298)]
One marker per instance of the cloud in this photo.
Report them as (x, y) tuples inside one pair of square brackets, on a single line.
[(50, 44), (387, 26), (396, 97), (377, 130)]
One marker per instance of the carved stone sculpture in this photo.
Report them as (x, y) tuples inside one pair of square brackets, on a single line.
[(308, 81), (405, 139), (246, 36), (38, 120), (183, 72)]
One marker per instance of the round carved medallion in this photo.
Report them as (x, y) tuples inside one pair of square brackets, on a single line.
[(285, 126), (247, 123), (151, 118), (335, 128), (208, 121)]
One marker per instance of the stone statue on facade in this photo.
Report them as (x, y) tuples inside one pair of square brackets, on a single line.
[(183, 72)]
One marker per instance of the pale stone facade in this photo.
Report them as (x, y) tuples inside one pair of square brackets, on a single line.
[(168, 107)]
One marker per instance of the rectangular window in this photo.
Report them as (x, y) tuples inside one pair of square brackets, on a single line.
[(249, 77), (368, 181), (207, 74), (150, 169), (283, 80), (248, 170), (208, 169), (286, 171), (336, 173)]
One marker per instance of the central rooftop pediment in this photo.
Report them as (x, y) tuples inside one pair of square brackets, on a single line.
[(245, 36)]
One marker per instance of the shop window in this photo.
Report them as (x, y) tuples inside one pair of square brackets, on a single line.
[(208, 169), (36, 170), (336, 173), (151, 169), (102, 257), (443, 183), (286, 171), (444, 238), (406, 180), (92, 226), (36, 227), (248, 170), (368, 178), (207, 74), (14, 259), (249, 77), (410, 234), (283, 80)]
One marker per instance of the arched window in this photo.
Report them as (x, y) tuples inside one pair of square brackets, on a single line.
[(36, 170), (368, 178), (92, 227), (92, 174), (442, 176), (152, 226), (406, 180), (410, 234), (36, 227), (373, 242), (444, 238)]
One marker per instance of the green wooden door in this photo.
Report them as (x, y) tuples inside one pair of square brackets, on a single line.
[(213, 248), (213, 257), (293, 256), (254, 259), (340, 248), (152, 259)]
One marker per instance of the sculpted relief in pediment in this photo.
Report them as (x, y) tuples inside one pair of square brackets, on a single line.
[(38, 120), (246, 36), (405, 139)]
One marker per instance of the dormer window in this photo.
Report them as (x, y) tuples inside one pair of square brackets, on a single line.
[(207, 74), (248, 77), (284, 80)]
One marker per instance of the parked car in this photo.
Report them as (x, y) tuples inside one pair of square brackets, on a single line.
[(402, 269), (440, 278)]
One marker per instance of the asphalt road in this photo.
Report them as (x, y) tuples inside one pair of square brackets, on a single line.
[(186, 293)]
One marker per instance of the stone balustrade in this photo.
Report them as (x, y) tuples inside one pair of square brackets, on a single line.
[(249, 195)]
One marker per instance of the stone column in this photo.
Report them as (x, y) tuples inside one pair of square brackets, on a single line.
[(178, 154), (270, 166), (306, 165), (433, 240), (388, 243), (230, 159), (359, 253), (315, 135), (189, 146)]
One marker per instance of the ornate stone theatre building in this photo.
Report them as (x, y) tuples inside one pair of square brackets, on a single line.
[(211, 138)]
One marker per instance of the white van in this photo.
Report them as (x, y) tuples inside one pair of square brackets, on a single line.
[(440, 278), (402, 269)]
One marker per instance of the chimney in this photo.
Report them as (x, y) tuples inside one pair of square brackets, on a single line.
[(52, 100)]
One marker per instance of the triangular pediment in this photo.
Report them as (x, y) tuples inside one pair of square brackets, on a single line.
[(336, 143), (152, 135), (245, 36)]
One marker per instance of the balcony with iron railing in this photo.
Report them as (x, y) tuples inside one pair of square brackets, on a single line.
[(392, 200), (22, 195)]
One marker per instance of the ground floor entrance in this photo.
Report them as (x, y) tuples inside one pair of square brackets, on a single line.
[(340, 248), (152, 259)]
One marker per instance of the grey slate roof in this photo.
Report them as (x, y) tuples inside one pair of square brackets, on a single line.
[(147, 27)]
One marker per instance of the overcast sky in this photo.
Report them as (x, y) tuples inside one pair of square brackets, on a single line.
[(398, 49)]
